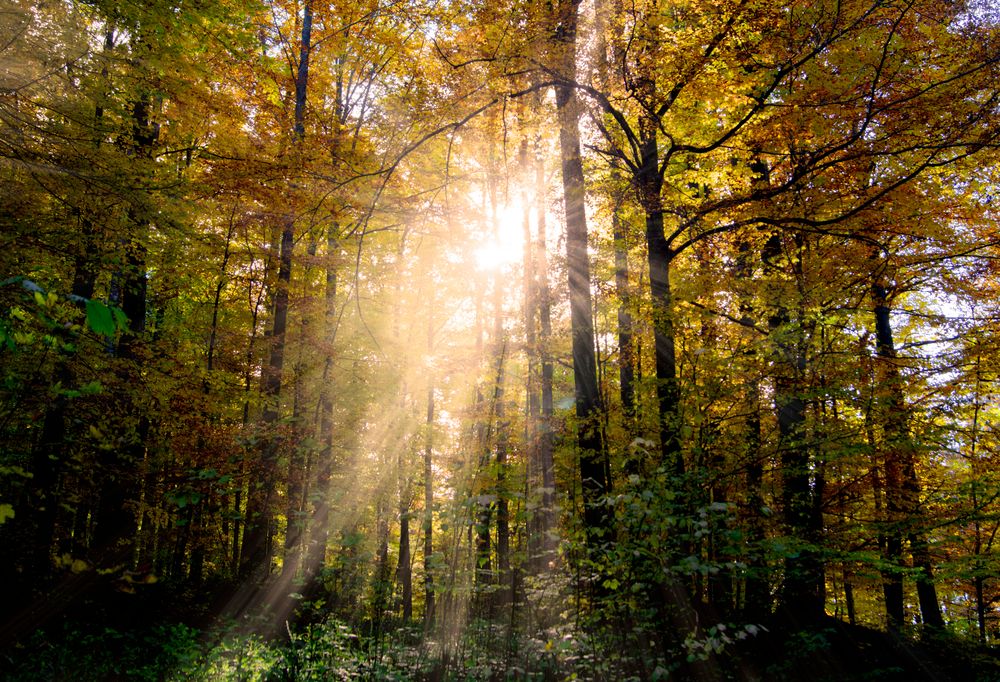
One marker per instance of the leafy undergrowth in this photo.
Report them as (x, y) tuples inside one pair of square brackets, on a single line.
[(331, 650), (323, 651)]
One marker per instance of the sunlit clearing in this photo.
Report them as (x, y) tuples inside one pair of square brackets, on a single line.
[(506, 246)]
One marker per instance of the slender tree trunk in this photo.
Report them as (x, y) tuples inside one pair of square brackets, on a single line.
[(757, 589), (428, 522), (297, 484), (484, 510), (49, 454), (404, 575), (803, 590), (114, 534), (502, 429), (626, 346), (660, 256), (258, 532), (383, 573), (892, 586), (757, 593), (319, 531), (545, 425), (589, 408), (532, 422), (978, 544), (502, 507), (902, 486), (258, 529), (299, 459), (492, 441), (894, 607), (246, 479)]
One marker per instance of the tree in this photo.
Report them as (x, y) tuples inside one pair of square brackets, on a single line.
[(590, 440)]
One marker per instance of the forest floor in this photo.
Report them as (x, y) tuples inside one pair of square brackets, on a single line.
[(103, 646)]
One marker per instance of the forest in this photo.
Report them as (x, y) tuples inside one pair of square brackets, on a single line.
[(499, 340)]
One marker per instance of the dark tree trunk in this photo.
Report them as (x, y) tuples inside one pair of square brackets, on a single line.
[(49, 454), (626, 347), (532, 422), (503, 512), (502, 432), (258, 529), (902, 486), (803, 590), (383, 572), (589, 408), (114, 533), (428, 522), (484, 509), (649, 183), (545, 427), (404, 575), (757, 589), (319, 532), (297, 483), (757, 592)]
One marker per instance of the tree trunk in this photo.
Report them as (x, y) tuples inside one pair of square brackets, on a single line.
[(757, 599), (660, 256), (757, 592), (319, 532), (258, 531), (428, 523), (114, 533), (532, 422), (404, 575), (502, 429), (590, 441), (803, 590), (902, 486), (297, 461), (503, 512), (545, 428), (626, 347)]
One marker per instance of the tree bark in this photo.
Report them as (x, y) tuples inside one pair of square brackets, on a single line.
[(626, 346), (404, 575), (659, 254), (258, 530), (114, 534), (590, 441), (902, 486), (803, 589), (757, 592), (428, 521), (532, 422), (545, 427)]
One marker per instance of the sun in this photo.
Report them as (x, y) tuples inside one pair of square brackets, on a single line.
[(506, 245)]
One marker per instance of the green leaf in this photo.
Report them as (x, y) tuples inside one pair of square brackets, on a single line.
[(6, 512), (121, 319), (99, 318)]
